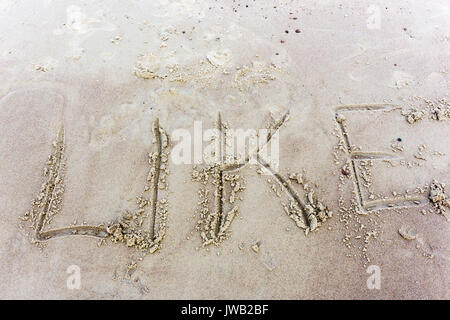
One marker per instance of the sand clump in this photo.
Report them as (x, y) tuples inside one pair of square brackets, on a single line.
[(407, 232), (439, 110), (438, 198), (147, 66), (310, 213), (219, 58), (214, 224), (215, 70), (414, 115), (255, 247)]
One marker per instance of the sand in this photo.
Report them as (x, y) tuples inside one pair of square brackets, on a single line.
[(95, 98)]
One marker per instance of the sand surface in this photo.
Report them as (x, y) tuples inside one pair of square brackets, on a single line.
[(366, 89)]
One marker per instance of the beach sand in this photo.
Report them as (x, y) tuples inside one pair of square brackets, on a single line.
[(358, 94)]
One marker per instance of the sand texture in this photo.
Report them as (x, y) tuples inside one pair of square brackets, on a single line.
[(95, 94)]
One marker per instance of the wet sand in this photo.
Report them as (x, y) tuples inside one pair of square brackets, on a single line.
[(366, 91)]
